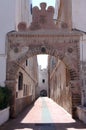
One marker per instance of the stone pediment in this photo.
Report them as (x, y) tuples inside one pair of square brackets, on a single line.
[(41, 18)]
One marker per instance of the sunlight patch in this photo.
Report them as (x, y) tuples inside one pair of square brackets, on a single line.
[(24, 129)]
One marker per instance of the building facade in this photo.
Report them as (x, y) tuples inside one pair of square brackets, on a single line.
[(11, 12), (59, 77), (42, 80), (26, 83)]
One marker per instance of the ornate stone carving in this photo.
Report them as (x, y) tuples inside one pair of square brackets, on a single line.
[(22, 26), (42, 18), (70, 50), (43, 49)]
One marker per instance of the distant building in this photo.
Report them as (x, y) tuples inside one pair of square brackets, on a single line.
[(42, 80)]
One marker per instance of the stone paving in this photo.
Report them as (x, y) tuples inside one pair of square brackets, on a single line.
[(44, 114)]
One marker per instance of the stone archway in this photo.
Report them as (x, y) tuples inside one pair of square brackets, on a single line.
[(43, 37), (27, 44)]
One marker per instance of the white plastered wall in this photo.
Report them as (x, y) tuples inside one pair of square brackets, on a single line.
[(79, 14), (7, 23), (11, 13)]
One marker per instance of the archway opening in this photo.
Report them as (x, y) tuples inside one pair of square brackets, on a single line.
[(44, 76), (63, 50)]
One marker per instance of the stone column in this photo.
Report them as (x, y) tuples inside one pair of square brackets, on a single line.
[(65, 14), (11, 86)]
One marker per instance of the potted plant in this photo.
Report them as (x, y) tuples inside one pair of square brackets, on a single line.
[(5, 95)]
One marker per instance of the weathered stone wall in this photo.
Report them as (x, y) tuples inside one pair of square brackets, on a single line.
[(83, 68), (27, 94), (23, 102), (29, 85), (64, 19), (59, 88)]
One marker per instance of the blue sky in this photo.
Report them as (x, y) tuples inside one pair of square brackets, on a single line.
[(49, 2), (42, 60)]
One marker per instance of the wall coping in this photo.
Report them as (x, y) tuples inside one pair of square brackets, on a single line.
[(53, 32), (82, 108)]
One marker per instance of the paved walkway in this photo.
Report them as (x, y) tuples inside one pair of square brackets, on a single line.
[(44, 115)]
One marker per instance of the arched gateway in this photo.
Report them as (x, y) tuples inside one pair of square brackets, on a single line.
[(43, 37)]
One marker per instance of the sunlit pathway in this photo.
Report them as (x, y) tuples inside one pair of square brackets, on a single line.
[(45, 114)]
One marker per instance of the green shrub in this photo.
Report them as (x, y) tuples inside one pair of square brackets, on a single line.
[(5, 95)]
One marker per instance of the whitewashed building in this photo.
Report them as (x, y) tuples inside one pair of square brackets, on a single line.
[(11, 13)]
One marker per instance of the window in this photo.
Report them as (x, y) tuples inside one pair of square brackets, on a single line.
[(30, 89), (43, 80), (24, 90), (26, 62), (31, 8), (20, 81)]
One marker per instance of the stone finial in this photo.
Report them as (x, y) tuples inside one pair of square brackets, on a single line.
[(50, 10), (65, 14), (22, 26), (43, 6), (42, 18)]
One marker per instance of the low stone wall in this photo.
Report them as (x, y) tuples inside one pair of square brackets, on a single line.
[(23, 102), (4, 115), (81, 112)]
